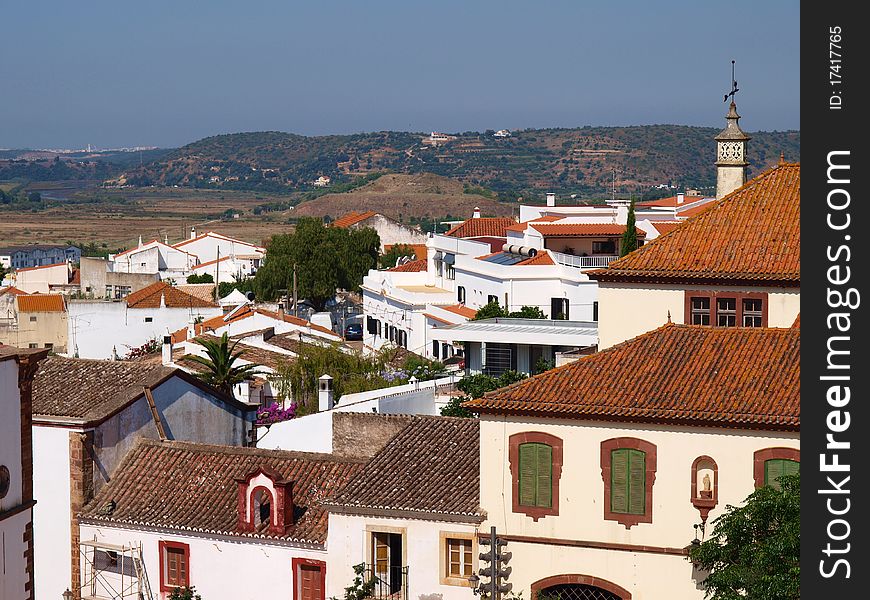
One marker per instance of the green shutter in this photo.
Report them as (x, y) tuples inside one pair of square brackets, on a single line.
[(776, 468), (528, 474), (545, 476), (619, 480), (636, 482)]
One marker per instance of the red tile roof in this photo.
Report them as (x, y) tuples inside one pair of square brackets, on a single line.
[(430, 468), (25, 269), (670, 202), (583, 229), (420, 250), (12, 291), (204, 497), (352, 218), (481, 227), (541, 258), (414, 266), (211, 262), (677, 374), (521, 227), (149, 297), (797, 322), (40, 303), (752, 235), (664, 227), (461, 310)]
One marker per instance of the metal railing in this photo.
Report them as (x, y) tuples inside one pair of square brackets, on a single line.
[(583, 262), (390, 583)]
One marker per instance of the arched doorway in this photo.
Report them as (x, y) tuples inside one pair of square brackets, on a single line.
[(577, 587)]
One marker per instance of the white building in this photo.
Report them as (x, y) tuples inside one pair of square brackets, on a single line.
[(390, 231), (634, 448), (87, 414), (195, 514), (211, 246), (412, 515), (44, 279), (153, 257), (16, 472), (107, 329)]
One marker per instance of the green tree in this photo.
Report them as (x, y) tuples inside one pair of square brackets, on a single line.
[(493, 310), (326, 258), (629, 237), (754, 551), (475, 386), (397, 251), (221, 370), (184, 593), (528, 312), (489, 311), (204, 278)]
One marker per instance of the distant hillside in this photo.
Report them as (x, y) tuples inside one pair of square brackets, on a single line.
[(404, 197), (568, 161), (45, 165)]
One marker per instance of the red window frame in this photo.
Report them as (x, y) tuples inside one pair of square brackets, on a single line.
[(762, 456), (308, 562), (714, 296), (162, 547), (607, 446), (514, 442)]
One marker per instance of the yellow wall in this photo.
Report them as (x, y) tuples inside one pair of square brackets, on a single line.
[(581, 500), (626, 311)]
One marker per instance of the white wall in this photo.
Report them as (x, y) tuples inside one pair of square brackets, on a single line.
[(13, 576), (40, 280), (581, 497), (348, 543), (95, 327), (208, 247), (220, 569), (51, 515), (391, 232)]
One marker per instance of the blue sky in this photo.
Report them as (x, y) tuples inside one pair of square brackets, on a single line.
[(165, 73)]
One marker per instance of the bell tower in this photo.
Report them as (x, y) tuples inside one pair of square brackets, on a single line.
[(731, 149)]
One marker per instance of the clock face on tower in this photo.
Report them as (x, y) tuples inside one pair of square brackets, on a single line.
[(731, 151)]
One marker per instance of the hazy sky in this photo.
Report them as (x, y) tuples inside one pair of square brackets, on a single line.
[(167, 72)]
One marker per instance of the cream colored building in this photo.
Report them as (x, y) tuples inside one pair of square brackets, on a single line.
[(37, 321), (737, 264), (597, 473)]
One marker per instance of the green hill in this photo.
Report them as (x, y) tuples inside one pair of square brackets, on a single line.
[(578, 161)]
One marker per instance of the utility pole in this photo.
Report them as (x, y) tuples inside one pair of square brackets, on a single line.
[(295, 297), (217, 275)]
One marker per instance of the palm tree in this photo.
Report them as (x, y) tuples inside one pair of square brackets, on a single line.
[(219, 364)]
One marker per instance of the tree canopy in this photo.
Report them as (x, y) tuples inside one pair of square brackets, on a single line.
[(493, 309), (326, 258), (475, 386), (754, 551), (221, 370), (388, 260)]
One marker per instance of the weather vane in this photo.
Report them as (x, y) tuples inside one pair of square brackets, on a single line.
[(734, 88)]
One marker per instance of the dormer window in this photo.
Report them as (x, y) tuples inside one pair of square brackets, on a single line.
[(265, 502)]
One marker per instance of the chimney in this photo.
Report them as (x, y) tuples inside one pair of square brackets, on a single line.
[(551, 199), (140, 241), (191, 329), (476, 214), (681, 198), (167, 350), (192, 232), (325, 398), (285, 517), (280, 311)]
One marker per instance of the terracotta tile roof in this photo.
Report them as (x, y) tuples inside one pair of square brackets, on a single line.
[(670, 202), (203, 291), (583, 229), (542, 258), (25, 269), (691, 211), (664, 227), (678, 374), (797, 322), (204, 496), (439, 319), (40, 303), (352, 218), (91, 389), (215, 323), (12, 291), (460, 309), (299, 322), (211, 262), (521, 227), (431, 467), (250, 354), (751, 235), (149, 297), (420, 250), (415, 266), (76, 277), (481, 227)]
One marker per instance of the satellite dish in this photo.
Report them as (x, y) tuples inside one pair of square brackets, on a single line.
[(249, 296)]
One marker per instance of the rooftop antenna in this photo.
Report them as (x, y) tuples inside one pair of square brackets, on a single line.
[(734, 88), (613, 187)]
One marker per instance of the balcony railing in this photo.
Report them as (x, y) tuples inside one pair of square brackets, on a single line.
[(391, 583), (583, 262)]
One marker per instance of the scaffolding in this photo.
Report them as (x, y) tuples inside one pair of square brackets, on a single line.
[(113, 572)]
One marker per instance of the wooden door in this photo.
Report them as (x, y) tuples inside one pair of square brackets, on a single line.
[(310, 582)]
